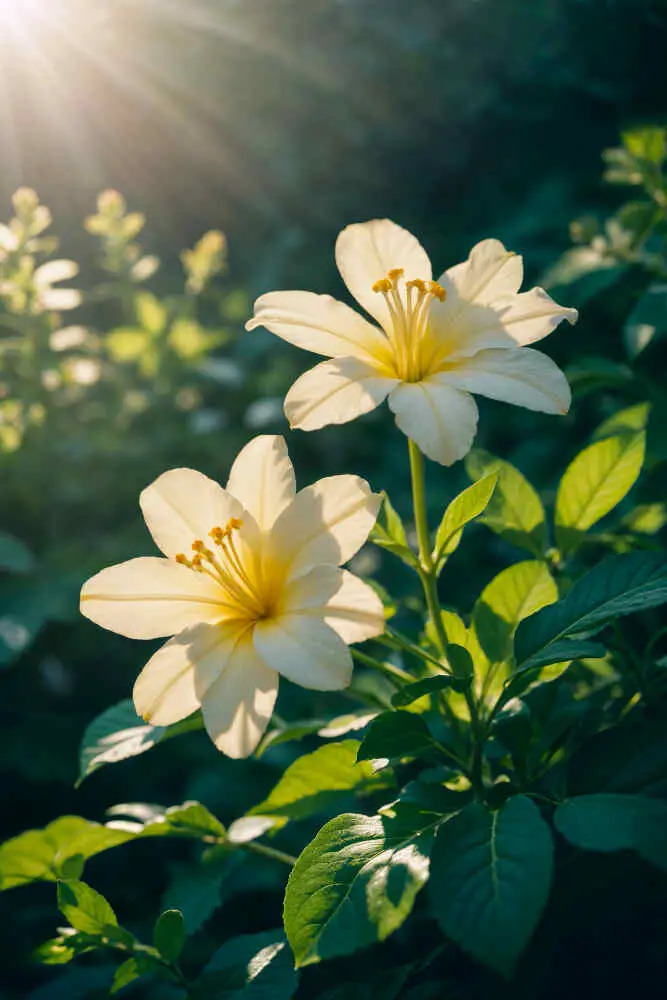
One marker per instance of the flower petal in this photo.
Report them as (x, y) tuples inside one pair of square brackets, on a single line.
[(148, 598), (352, 608), (320, 324), (367, 251), (490, 272), (510, 322), (522, 376), (439, 418), (56, 270), (60, 299), (326, 523), (238, 705), (182, 505), (262, 478), (304, 650), (335, 392), (533, 315), (176, 678)]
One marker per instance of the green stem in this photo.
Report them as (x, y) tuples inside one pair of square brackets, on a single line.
[(269, 852), (394, 673), (428, 577)]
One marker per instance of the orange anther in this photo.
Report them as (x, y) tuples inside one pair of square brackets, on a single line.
[(437, 290), (182, 559), (383, 285), (197, 545)]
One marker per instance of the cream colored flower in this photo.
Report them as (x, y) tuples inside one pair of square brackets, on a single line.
[(436, 341), (251, 588)]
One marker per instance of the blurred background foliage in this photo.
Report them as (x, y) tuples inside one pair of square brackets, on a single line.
[(122, 354)]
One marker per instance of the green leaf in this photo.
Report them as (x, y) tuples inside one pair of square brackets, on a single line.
[(647, 143), (389, 533), (119, 733), (515, 511), (14, 555), (393, 735), (616, 823), (631, 757), (647, 320), (133, 968), (464, 508), (169, 934), (594, 483), (490, 879), (317, 782), (115, 735), (646, 519), (196, 888), (561, 651), (355, 883), (617, 586), (413, 692), (512, 595), (151, 313), (250, 967), (630, 420), (89, 912)]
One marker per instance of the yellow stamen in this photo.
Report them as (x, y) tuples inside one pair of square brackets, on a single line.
[(437, 291), (197, 545), (383, 285), (182, 559), (395, 274)]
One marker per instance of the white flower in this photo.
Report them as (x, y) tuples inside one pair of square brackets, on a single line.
[(47, 276), (259, 593), (437, 341)]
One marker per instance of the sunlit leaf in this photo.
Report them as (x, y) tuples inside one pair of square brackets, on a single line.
[(316, 782), (389, 533), (355, 883), (514, 511), (88, 911), (594, 483), (250, 967), (464, 508), (393, 735), (169, 934)]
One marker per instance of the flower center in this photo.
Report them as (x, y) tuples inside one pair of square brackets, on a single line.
[(226, 567), (408, 303)]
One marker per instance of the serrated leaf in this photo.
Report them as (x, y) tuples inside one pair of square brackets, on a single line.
[(316, 782), (515, 511), (615, 823), (427, 685), (617, 586), (594, 483), (133, 968), (393, 735), (88, 911), (490, 879), (354, 884), (169, 934), (464, 508), (14, 555)]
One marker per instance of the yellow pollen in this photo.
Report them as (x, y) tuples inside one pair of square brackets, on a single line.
[(437, 290), (182, 559), (196, 562), (235, 523), (383, 285), (197, 545), (417, 283), (395, 274)]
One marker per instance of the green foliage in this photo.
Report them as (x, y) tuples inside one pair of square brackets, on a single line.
[(514, 511), (607, 822), (251, 967), (490, 879), (596, 481), (618, 586), (316, 782), (389, 533), (467, 506), (355, 883)]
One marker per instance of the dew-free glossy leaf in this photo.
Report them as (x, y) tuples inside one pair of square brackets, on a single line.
[(515, 511), (393, 735), (427, 685), (617, 586), (354, 884), (88, 911), (596, 482), (490, 879), (316, 782), (464, 508)]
